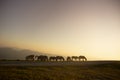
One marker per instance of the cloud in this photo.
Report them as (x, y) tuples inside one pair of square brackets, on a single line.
[(12, 53)]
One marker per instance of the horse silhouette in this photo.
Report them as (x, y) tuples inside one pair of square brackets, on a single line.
[(52, 58), (55, 58), (42, 58), (75, 58), (30, 57), (59, 58), (69, 58), (82, 58)]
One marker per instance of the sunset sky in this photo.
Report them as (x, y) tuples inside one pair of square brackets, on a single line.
[(64, 27)]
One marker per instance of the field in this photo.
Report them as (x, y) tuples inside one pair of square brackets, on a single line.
[(90, 70)]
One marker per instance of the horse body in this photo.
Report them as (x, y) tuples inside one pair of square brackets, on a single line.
[(82, 58), (52, 58), (42, 58), (69, 58), (30, 57), (56, 58), (60, 58), (75, 58)]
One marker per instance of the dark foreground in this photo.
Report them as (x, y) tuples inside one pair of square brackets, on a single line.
[(91, 70)]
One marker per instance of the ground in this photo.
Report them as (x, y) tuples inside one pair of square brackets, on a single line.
[(91, 70)]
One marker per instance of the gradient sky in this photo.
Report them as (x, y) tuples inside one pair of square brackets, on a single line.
[(63, 27)]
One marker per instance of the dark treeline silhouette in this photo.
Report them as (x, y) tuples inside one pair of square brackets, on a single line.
[(55, 58)]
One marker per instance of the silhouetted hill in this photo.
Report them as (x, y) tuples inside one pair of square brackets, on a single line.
[(13, 53)]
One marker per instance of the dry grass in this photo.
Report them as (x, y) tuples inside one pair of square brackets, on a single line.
[(93, 72)]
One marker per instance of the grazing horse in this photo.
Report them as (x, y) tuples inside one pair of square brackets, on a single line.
[(30, 57), (69, 58), (60, 58), (52, 58), (75, 58), (42, 58), (82, 58)]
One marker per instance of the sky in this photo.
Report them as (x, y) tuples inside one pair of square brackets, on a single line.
[(64, 27)]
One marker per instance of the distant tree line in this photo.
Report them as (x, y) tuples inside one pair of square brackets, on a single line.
[(55, 58)]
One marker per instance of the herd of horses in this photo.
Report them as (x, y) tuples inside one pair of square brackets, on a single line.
[(55, 58)]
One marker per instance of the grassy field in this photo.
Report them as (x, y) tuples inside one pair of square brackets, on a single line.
[(110, 71)]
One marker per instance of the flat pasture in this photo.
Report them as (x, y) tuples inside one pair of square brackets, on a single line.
[(36, 70)]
